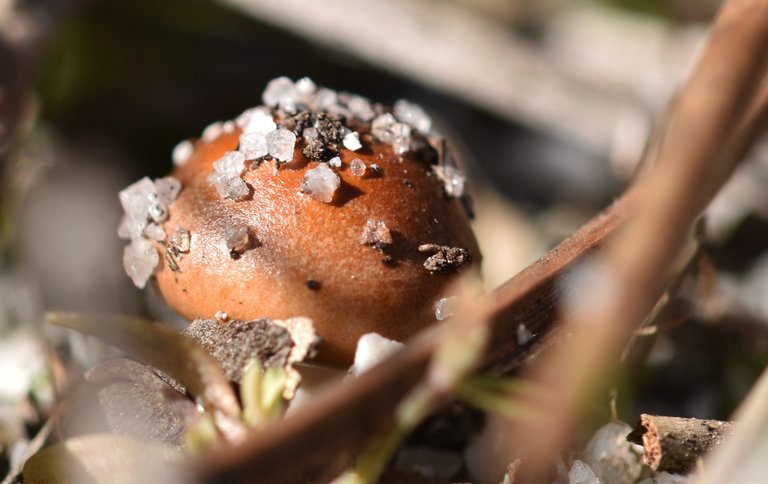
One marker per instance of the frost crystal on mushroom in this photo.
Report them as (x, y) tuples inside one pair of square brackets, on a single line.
[(226, 176), (413, 115), (256, 120), (386, 128), (144, 201), (358, 106), (253, 145), (280, 144), (232, 164), (182, 152), (140, 259), (320, 183), (280, 92), (358, 167), (155, 232), (453, 179), (232, 187), (352, 141), (146, 205), (212, 131)]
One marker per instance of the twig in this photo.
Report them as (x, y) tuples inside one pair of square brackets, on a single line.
[(675, 444), (710, 127)]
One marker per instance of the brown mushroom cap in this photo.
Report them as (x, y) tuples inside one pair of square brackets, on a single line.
[(295, 239)]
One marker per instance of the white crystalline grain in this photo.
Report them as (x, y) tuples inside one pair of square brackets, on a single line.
[(320, 183), (136, 200), (281, 92), (453, 179), (326, 99), (232, 164), (358, 106), (182, 152), (413, 115), (335, 162), (305, 87), (167, 189), (140, 259), (351, 141), (256, 120), (444, 308), (131, 228), (213, 131), (386, 128), (155, 232), (253, 145), (280, 144), (371, 349), (358, 167), (143, 201), (232, 187), (226, 176)]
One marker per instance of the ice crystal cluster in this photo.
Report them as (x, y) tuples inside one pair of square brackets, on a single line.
[(320, 121), (320, 183), (146, 206)]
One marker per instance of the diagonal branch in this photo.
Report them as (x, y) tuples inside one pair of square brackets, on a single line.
[(708, 130)]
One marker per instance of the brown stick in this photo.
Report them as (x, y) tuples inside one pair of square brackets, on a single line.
[(693, 162), (675, 444)]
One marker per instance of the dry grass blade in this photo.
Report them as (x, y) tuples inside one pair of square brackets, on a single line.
[(164, 348)]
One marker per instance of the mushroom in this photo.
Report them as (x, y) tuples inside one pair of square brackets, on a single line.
[(313, 208)]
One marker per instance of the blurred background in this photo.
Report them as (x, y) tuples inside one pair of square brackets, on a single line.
[(549, 102)]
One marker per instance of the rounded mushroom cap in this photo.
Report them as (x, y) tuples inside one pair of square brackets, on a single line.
[(281, 253)]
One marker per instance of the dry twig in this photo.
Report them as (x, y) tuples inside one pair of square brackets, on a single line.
[(675, 444), (709, 129)]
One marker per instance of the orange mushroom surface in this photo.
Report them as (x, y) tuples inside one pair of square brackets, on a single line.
[(360, 235)]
